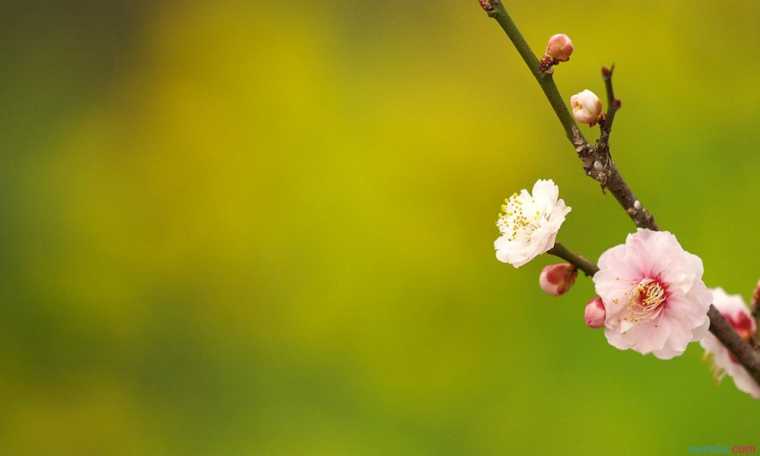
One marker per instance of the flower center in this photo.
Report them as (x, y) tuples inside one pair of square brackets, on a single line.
[(518, 217), (651, 294), (646, 302)]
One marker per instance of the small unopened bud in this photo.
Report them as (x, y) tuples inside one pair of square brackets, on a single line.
[(587, 107), (756, 297), (559, 48), (488, 5), (556, 279), (595, 313), (743, 324)]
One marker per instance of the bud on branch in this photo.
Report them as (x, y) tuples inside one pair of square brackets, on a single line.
[(559, 48), (587, 107), (557, 279)]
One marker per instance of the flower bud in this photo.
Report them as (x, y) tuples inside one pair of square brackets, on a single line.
[(595, 313), (743, 324), (587, 107), (559, 48), (556, 279), (486, 5), (756, 297)]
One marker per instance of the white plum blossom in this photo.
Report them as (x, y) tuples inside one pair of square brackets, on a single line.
[(737, 314), (653, 294), (529, 223)]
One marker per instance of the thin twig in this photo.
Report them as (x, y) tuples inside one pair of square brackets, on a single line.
[(598, 165), (578, 261), (613, 104), (496, 10)]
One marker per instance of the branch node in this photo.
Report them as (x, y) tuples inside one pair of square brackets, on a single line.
[(546, 64), (489, 6)]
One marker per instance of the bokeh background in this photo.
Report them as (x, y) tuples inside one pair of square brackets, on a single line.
[(243, 227)]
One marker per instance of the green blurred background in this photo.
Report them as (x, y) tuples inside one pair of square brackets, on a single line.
[(248, 227)]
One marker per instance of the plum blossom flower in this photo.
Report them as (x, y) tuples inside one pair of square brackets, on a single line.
[(737, 314), (529, 223), (653, 293)]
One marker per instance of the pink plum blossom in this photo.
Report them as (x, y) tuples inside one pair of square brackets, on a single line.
[(737, 314), (653, 293)]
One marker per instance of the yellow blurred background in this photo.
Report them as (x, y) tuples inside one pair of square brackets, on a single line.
[(243, 227)]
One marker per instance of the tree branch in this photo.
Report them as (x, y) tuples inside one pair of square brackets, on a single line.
[(614, 181), (744, 352), (597, 163), (613, 104), (496, 10), (578, 261), (596, 159)]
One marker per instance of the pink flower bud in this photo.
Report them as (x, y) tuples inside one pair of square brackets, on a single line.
[(559, 48), (587, 107), (595, 313), (556, 279), (743, 324)]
